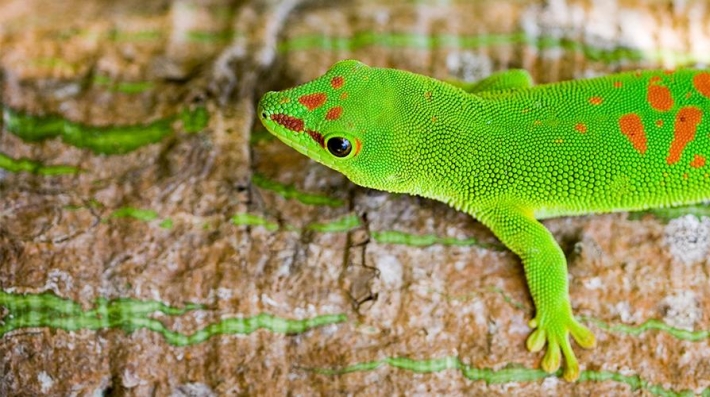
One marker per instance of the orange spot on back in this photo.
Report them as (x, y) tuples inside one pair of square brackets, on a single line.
[(581, 127), (334, 113), (654, 79), (631, 126), (686, 125), (659, 97), (701, 82), (698, 161), (596, 100), (313, 101), (618, 84), (337, 82), (659, 123)]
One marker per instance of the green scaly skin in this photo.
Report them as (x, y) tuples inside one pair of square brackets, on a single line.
[(509, 153)]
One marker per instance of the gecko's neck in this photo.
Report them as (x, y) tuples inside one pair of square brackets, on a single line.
[(451, 174)]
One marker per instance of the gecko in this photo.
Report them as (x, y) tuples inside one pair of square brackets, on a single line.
[(511, 153)]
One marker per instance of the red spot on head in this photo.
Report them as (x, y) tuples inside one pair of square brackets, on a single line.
[(313, 101), (337, 82), (698, 161), (316, 136), (630, 125), (291, 123), (596, 100), (659, 97), (581, 127), (334, 113), (618, 84), (701, 82), (684, 129)]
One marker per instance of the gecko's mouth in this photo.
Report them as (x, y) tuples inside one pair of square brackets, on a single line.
[(288, 129)]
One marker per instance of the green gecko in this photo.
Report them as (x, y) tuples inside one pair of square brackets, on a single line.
[(509, 153)]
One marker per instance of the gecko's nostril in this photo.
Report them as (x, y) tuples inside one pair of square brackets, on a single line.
[(263, 115)]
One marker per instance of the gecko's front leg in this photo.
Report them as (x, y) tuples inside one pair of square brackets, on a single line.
[(546, 273)]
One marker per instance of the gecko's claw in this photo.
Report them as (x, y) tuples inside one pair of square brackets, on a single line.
[(555, 331)]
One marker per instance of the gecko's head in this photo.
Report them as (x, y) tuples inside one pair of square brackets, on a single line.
[(345, 119)]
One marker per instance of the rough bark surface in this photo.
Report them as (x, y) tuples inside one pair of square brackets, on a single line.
[(349, 291)]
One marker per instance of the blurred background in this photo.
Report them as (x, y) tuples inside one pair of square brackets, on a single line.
[(156, 240)]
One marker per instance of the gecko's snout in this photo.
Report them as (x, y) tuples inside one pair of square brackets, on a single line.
[(273, 110), (266, 105)]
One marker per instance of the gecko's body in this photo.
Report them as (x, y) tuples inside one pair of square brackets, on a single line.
[(509, 153)]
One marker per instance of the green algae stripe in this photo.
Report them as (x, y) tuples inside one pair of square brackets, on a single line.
[(290, 192), (344, 224), (48, 310), (19, 303), (670, 213), (35, 167), (32, 128), (54, 63), (195, 119), (498, 376), (125, 87), (490, 376), (635, 382), (340, 225), (136, 87), (135, 36), (105, 140), (253, 220), (425, 240), (650, 325), (135, 213), (393, 40), (118, 139), (365, 39), (115, 140), (141, 215), (203, 36)]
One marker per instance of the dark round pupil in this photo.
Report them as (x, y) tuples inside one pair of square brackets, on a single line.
[(339, 147)]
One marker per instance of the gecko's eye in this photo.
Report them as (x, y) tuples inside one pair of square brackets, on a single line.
[(339, 147)]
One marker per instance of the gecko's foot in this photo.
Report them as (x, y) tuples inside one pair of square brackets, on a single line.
[(555, 330)]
